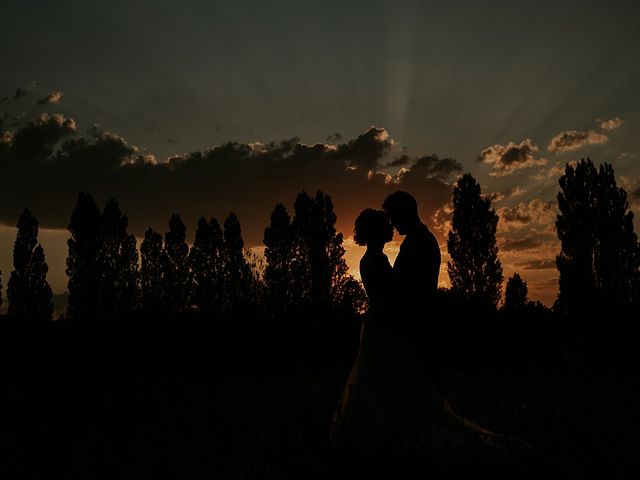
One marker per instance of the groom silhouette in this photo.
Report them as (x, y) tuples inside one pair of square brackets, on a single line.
[(415, 277)]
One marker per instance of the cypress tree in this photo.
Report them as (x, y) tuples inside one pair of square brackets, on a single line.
[(175, 267), (28, 292), (82, 266), (474, 268), (151, 278), (279, 255), (516, 292)]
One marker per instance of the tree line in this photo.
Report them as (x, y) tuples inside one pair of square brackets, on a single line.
[(304, 266), (599, 258), (109, 277)]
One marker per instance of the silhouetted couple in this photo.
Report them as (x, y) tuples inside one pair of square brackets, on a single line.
[(393, 392)]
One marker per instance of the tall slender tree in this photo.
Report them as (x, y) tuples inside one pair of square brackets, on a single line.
[(515, 296), (204, 262), (175, 267), (599, 259), (279, 255), (237, 272), (82, 265), (217, 241), (318, 264), (117, 263), (28, 292), (474, 268), (128, 289), (151, 274)]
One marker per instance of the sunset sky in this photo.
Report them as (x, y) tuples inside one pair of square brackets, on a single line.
[(359, 99)]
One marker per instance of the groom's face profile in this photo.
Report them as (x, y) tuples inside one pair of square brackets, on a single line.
[(402, 210), (399, 223)]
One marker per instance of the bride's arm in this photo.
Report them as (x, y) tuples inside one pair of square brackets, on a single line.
[(377, 283)]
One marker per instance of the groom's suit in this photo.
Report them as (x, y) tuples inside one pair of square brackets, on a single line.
[(415, 280)]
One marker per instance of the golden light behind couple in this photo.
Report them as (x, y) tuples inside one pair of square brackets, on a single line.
[(393, 391)]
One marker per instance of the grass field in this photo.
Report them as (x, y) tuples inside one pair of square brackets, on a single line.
[(144, 417), (580, 420)]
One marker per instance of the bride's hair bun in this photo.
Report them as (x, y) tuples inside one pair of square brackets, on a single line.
[(372, 226)]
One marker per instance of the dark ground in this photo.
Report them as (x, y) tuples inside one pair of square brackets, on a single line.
[(77, 407)]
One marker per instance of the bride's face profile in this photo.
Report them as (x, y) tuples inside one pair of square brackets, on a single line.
[(373, 228)]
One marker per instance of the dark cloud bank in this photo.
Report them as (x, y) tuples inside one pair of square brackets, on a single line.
[(45, 163)]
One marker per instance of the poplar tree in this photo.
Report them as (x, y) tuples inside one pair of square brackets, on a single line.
[(82, 265), (279, 255), (28, 292), (474, 269), (117, 263), (204, 260), (318, 265), (175, 267), (599, 259), (237, 271), (515, 296), (151, 278)]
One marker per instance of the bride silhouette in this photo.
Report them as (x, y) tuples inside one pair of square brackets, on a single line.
[(392, 393)]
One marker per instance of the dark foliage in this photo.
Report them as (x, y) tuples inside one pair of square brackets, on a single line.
[(102, 264), (599, 259), (224, 374), (28, 292), (474, 269), (279, 254), (117, 264), (318, 264), (176, 279), (82, 260), (515, 296), (151, 278), (206, 261), (238, 279)]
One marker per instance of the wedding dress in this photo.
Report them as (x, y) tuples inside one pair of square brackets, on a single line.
[(390, 395)]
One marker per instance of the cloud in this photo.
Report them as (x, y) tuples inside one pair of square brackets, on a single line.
[(53, 98), (519, 244), (632, 187), (506, 159), (400, 161), (573, 140), (535, 213), (545, 285), (514, 191), (334, 137), (6, 138), (367, 150), (496, 197), (430, 166), (610, 125), (442, 219), (36, 140), (633, 195), (549, 174), (48, 175), (548, 264), (514, 216)]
